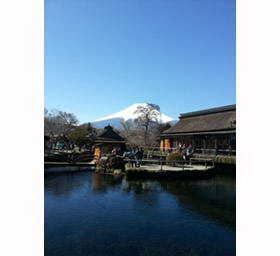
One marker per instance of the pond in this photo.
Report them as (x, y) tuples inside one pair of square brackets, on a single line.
[(88, 213)]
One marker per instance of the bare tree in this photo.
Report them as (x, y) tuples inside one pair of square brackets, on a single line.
[(66, 121), (58, 124), (50, 124), (127, 125), (131, 133), (149, 117)]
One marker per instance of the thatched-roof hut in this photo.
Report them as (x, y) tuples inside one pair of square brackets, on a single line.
[(107, 141)]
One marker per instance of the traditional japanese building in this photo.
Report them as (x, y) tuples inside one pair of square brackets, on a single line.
[(107, 141), (210, 131)]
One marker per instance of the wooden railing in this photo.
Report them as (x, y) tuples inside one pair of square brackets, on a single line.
[(176, 163), (207, 151), (68, 156)]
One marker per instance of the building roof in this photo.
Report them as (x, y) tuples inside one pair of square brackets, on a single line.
[(109, 136), (221, 119), (107, 141), (209, 111)]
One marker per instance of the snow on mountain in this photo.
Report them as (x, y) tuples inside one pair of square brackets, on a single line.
[(126, 114)]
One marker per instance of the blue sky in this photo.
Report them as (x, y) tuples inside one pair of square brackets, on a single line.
[(102, 56)]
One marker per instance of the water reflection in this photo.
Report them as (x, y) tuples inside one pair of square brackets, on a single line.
[(213, 198), (65, 184), (103, 183), (94, 214), (145, 193)]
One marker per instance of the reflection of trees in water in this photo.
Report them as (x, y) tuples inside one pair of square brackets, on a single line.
[(219, 190), (65, 184), (144, 192), (102, 183), (213, 198), (140, 186)]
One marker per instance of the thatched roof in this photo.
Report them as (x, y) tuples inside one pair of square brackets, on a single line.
[(109, 136), (215, 120), (210, 111)]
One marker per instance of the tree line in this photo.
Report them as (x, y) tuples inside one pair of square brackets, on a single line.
[(60, 126)]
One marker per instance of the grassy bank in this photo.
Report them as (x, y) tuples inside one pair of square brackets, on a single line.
[(219, 159)]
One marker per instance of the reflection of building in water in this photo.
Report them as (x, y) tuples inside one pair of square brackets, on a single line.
[(212, 198), (97, 183), (103, 183)]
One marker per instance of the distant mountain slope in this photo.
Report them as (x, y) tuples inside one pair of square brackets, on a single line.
[(126, 114)]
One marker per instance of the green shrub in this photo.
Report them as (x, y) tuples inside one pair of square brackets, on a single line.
[(110, 163), (176, 156), (154, 153), (116, 162)]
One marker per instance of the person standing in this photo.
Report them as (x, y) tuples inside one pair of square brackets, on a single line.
[(114, 151), (189, 150), (137, 152)]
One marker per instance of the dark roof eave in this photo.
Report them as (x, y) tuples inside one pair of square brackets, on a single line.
[(198, 133), (209, 111), (109, 141)]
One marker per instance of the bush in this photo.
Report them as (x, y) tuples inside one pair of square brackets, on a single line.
[(116, 162), (155, 154), (174, 157), (110, 163)]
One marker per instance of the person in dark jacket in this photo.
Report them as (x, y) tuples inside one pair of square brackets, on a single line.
[(139, 156), (189, 150)]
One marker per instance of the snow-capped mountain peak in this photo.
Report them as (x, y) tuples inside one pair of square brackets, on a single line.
[(126, 114)]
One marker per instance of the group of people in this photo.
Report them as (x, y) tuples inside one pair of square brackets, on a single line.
[(116, 151), (186, 151), (136, 155)]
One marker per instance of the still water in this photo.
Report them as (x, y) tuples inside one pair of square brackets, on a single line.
[(94, 214)]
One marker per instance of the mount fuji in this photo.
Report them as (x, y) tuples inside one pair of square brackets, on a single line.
[(127, 114)]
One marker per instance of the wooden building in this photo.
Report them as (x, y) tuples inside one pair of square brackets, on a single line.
[(107, 141), (210, 131)]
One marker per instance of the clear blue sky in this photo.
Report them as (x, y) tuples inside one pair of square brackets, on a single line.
[(102, 56)]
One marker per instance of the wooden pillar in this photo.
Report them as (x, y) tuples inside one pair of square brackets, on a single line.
[(162, 144), (204, 145), (167, 144), (97, 152), (229, 145), (193, 142), (216, 145)]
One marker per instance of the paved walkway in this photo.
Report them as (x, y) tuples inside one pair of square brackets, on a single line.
[(155, 167)]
